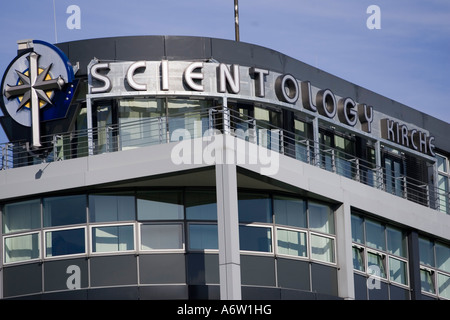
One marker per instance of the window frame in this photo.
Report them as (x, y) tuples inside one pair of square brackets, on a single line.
[(20, 234), (139, 248), (91, 238), (44, 242), (276, 251), (188, 238)]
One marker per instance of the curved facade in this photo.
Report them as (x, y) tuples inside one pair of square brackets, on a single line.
[(198, 168)]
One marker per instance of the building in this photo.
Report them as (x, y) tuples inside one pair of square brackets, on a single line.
[(163, 167)]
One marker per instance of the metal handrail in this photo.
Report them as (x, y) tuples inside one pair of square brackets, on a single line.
[(157, 130)]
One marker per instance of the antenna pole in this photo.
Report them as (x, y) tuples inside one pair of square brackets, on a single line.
[(54, 19), (236, 19)]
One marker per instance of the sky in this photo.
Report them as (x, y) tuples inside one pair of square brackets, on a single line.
[(401, 50)]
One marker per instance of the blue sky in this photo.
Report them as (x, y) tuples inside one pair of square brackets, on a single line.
[(407, 60)]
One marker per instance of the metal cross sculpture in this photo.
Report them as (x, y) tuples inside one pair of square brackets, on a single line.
[(33, 89)]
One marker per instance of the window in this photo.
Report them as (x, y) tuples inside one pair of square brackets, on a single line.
[(66, 210), (109, 208), (203, 236), (22, 247), (357, 229), (160, 205), (201, 205), (140, 124), (322, 248), (434, 267), (252, 238), (443, 183), (161, 237), (254, 207), (379, 250), (291, 242), (358, 258), (112, 238), (289, 211), (375, 237), (22, 216), (321, 217), (376, 264), (65, 242)]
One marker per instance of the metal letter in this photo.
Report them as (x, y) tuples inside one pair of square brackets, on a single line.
[(404, 130), (347, 113), (423, 142), (225, 77), (413, 139), (189, 76), (431, 146), (307, 96), (259, 74), (130, 76), (387, 129), (289, 82), (327, 103), (365, 117), (95, 75)]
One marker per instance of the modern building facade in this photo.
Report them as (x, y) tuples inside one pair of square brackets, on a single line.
[(163, 167)]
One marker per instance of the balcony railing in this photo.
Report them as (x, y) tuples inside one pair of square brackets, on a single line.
[(159, 130)]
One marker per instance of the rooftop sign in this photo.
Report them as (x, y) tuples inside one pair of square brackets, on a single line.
[(213, 78)]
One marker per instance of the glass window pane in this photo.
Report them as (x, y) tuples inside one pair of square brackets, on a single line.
[(255, 238), (442, 257), (291, 242), (376, 264), (190, 115), (441, 163), (375, 237), (357, 229), (290, 211), (203, 236), (426, 252), (396, 242), (443, 282), (112, 238), (20, 248), (60, 211), (22, 216), (108, 208), (358, 258), (427, 281), (63, 242), (201, 205), (254, 207), (322, 248), (139, 122), (397, 271), (321, 217), (159, 237), (160, 205)]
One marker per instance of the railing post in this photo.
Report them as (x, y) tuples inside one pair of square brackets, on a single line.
[(55, 147), (405, 187), (107, 132), (308, 151), (358, 172)]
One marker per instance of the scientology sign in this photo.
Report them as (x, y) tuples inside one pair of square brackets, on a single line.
[(249, 83)]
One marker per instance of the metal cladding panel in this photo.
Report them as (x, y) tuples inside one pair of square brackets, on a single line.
[(187, 48), (113, 270), (140, 48)]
